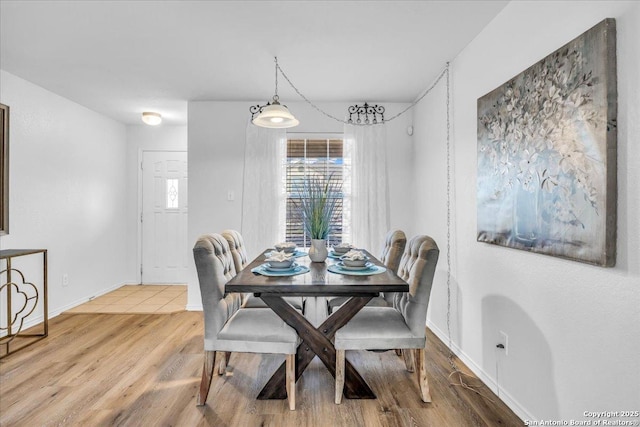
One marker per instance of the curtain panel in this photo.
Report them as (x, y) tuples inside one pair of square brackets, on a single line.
[(365, 156), (263, 193)]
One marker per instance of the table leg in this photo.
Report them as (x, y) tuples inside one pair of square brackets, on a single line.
[(316, 342)]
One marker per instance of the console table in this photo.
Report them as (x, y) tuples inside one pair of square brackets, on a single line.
[(18, 288)]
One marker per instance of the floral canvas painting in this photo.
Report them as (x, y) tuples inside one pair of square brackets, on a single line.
[(547, 154)]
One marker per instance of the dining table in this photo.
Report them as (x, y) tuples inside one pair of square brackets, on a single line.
[(315, 281)]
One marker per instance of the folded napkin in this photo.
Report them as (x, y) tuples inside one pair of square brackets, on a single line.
[(354, 255), (285, 245), (278, 256), (344, 246)]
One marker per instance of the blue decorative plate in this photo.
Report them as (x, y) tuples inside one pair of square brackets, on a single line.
[(262, 269), (298, 253), (334, 255)]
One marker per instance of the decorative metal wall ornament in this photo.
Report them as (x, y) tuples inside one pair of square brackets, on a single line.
[(257, 109), (372, 114), (547, 154)]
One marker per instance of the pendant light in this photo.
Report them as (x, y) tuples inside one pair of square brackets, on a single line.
[(273, 114)]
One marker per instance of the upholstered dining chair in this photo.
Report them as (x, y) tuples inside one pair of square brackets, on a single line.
[(401, 326), (237, 248), (394, 244), (230, 328), (240, 261)]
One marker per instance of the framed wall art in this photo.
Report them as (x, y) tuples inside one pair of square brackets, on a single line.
[(4, 169), (547, 147)]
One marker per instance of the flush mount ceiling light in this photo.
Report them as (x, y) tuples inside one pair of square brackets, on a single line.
[(151, 118), (273, 114)]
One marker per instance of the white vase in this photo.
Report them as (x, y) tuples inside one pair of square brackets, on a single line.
[(318, 250)]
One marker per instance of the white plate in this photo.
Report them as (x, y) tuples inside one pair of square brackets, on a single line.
[(279, 269), (367, 266), (339, 253)]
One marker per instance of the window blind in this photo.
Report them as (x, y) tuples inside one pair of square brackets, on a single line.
[(309, 157)]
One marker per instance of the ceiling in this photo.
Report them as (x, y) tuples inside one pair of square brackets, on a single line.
[(120, 58)]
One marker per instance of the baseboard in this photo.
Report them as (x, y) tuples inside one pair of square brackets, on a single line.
[(487, 379), (193, 307)]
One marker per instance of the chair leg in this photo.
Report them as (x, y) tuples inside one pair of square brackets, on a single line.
[(207, 374), (340, 355), (291, 380), (223, 362), (409, 359), (421, 370)]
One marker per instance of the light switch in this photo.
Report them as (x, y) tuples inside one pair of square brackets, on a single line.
[(231, 196)]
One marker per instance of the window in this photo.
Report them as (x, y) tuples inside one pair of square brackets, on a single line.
[(306, 157)]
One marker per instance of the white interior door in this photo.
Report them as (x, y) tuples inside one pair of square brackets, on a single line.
[(165, 253)]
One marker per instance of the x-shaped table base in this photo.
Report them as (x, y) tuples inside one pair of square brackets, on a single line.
[(316, 342)]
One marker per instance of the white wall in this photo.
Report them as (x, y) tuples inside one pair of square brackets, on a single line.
[(574, 329), (216, 160), (142, 138), (67, 181)]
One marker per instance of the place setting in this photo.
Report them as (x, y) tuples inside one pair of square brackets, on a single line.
[(339, 250), (289, 248), (356, 263), (281, 262)]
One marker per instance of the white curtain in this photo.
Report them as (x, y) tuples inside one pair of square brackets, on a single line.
[(263, 192), (367, 191)]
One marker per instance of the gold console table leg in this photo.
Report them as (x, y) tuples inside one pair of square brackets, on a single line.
[(8, 340)]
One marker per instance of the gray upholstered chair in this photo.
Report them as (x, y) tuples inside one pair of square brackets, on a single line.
[(240, 261), (237, 247), (229, 328), (394, 244), (401, 326)]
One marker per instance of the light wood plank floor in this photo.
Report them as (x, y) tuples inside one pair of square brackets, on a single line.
[(144, 370), (138, 299)]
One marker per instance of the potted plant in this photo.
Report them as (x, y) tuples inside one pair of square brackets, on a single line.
[(317, 204)]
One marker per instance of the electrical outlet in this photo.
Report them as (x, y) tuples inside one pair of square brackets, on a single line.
[(65, 280), (504, 340)]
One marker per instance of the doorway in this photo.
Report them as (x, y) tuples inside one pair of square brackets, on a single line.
[(164, 249)]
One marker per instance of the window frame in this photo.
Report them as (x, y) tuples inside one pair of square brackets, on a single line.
[(315, 136)]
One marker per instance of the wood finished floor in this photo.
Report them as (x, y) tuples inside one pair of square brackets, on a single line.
[(144, 370), (137, 299)]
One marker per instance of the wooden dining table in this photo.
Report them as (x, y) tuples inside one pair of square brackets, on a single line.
[(316, 340)]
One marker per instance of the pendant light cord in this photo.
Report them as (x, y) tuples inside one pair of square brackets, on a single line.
[(444, 72), (276, 97), (451, 362), (461, 376)]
